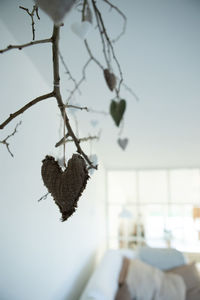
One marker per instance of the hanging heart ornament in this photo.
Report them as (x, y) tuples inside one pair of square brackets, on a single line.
[(110, 79), (81, 29), (123, 143), (65, 186), (117, 110), (56, 9)]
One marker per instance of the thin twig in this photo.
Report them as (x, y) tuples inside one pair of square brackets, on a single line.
[(77, 107), (25, 107), (104, 35), (78, 84), (12, 134), (101, 32), (20, 47), (67, 70), (87, 109), (122, 15), (55, 50), (91, 55), (44, 197), (80, 81), (31, 14), (85, 139), (101, 112), (131, 91)]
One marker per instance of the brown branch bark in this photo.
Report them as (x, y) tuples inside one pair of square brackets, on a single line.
[(55, 51), (77, 107), (4, 142), (25, 107), (20, 47), (31, 14), (85, 139)]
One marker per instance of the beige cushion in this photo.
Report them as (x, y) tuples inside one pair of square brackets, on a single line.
[(190, 275), (146, 283), (124, 271), (123, 293), (193, 294)]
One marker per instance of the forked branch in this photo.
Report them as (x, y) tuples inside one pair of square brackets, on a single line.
[(5, 141)]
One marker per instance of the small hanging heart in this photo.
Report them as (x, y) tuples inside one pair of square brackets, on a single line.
[(123, 143), (94, 123), (110, 79), (56, 9), (94, 159), (65, 186), (81, 29), (117, 110)]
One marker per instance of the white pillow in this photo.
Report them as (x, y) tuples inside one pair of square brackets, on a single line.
[(161, 258), (103, 283), (95, 295)]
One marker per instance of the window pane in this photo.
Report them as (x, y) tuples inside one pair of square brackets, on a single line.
[(185, 186), (153, 186), (121, 186), (113, 219), (160, 205)]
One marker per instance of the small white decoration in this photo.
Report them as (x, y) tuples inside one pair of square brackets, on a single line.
[(81, 29), (123, 143), (56, 9), (94, 159)]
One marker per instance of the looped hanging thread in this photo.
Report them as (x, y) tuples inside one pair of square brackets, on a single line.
[(56, 84)]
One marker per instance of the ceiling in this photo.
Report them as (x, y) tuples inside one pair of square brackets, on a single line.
[(160, 58)]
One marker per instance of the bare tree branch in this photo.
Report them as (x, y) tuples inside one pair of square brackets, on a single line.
[(77, 107), (44, 197), (80, 81), (106, 41), (92, 56), (32, 14), (109, 55), (10, 135), (55, 50), (67, 70), (25, 107), (20, 47), (101, 112), (131, 91), (122, 15), (85, 139)]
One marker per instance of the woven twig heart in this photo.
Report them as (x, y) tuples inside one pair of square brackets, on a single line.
[(65, 186)]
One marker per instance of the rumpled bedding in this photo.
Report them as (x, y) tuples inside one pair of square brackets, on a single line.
[(149, 283)]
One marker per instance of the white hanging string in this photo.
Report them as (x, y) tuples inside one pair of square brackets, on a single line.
[(64, 133)]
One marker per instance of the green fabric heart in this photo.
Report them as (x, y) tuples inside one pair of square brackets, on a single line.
[(117, 110)]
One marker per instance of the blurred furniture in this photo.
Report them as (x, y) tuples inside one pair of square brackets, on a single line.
[(196, 217), (104, 281)]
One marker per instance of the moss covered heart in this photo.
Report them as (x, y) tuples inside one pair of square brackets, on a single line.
[(117, 110)]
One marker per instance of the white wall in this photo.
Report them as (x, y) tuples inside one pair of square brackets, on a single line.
[(41, 258)]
